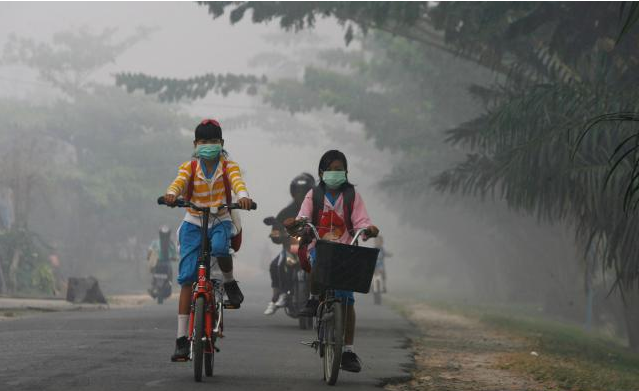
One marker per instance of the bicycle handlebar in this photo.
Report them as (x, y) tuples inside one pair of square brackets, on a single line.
[(305, 223), (182, 203)]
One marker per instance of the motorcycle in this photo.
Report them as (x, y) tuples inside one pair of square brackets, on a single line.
[(160, 255), (295, 277), (161, 283)]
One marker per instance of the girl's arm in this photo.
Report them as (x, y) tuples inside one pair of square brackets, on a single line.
[(359, 217), (306, 210)]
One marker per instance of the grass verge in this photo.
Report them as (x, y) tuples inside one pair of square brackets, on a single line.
[(564, 354)]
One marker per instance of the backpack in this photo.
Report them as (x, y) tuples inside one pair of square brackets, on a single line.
[(236, 241), (318, 206)]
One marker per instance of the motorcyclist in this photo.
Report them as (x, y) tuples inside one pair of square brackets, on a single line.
[(280, 280), (161, 253), (380, 266)]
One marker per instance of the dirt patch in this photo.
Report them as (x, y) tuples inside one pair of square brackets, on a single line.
[(461, 354)]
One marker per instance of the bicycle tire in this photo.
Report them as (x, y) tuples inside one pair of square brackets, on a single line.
[(198, 335), (333, 343)]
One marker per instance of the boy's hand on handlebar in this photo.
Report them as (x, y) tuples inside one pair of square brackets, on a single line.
[(245, 203), (170, 199)]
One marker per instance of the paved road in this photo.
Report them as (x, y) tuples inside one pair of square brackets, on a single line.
[(129, 349)]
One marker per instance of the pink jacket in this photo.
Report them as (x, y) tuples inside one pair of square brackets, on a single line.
[(332, 221)]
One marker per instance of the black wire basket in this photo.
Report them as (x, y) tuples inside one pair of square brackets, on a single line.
[(344, 267)]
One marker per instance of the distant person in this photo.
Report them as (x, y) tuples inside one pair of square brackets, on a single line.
[(280, 281), (162, 252), (341, 213), (204, 178), (380, 266)]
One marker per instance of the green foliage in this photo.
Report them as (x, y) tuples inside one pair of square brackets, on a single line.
[(72, 57), (172, 90), (98, 156), (34, 274)]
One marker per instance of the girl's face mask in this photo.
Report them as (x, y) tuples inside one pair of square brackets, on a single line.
[(208, 151), (334, 179)]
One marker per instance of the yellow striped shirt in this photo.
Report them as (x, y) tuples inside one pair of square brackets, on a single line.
[(208, 192)]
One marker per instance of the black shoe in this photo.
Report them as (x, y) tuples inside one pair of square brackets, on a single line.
[(310, 309), (181, 350), (350, 362), (234, 293)]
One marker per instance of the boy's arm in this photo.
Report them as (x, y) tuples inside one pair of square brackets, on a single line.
[(181, 181), (235, 178)]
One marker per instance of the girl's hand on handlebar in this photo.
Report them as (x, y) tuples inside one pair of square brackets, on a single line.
[(289, 222), (245, 203), (170, 199), (372, 231)]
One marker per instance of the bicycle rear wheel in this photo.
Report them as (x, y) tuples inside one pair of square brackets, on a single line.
[(198, 337), (333, 324)]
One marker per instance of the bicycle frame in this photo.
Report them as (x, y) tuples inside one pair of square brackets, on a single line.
[(206, 288)]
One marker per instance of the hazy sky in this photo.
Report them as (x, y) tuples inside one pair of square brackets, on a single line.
[(188, 43)]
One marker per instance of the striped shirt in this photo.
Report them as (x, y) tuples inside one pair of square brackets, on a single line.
[(208, 192)]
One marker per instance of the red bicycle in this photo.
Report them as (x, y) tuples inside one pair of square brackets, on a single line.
[(207, 304)]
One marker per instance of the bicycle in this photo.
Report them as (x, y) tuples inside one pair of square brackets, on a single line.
[(207, 304), (338, 267)]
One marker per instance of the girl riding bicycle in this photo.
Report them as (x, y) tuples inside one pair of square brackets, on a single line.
[(204, 181), (337, 210)]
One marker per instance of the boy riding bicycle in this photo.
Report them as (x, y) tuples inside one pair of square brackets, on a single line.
[(204, 181)]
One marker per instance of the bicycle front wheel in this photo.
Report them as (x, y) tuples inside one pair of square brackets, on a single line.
[(333, 341), (198, 339)]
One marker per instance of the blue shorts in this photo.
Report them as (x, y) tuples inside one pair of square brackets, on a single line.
[(190, 238), (348, 296)]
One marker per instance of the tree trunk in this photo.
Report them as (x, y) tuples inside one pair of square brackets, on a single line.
[(13, 269), (631, 312), (3, 282)]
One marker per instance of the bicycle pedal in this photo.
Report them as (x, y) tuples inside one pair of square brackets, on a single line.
[(228, 306), (312, 344)]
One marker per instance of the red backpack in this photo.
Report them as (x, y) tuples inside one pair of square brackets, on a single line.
[(236, 241)]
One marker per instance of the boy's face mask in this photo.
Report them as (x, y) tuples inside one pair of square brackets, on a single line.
[(334, 179), (208, 151)]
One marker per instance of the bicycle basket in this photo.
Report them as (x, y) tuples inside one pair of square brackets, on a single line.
[(344, 267)]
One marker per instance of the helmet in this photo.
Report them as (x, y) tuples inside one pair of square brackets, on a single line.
[(164, 229), (302, 184)]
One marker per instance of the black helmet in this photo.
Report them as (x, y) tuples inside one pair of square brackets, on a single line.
[(302, 183)]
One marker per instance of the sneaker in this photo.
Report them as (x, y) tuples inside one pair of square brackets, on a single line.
[(350, 362), (270, 308), (310, 309), (281, 301), (181, 350), (234, 293)]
